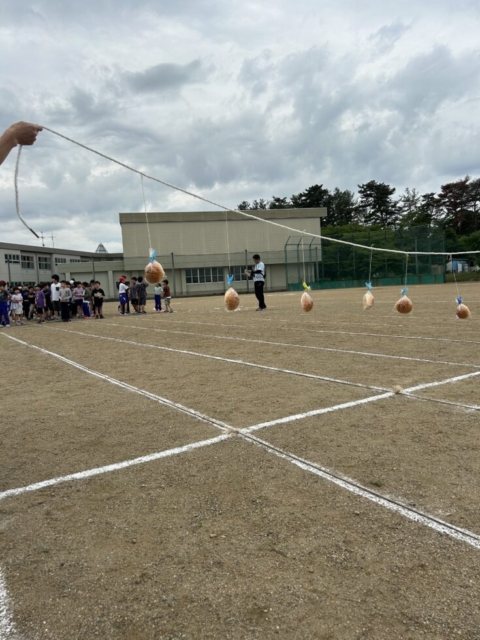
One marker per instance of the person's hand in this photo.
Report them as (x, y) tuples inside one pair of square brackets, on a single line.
[(24, 133)]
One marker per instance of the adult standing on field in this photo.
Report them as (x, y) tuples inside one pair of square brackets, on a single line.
[(258, 275)]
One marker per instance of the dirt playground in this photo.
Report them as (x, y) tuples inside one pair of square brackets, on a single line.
[(214, 475)]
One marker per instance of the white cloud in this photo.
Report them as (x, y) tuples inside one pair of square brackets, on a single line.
[(234, 100)]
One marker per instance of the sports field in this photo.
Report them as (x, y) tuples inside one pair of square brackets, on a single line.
[(206, 474)]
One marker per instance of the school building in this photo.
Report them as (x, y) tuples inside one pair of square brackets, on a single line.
[(198, 250)]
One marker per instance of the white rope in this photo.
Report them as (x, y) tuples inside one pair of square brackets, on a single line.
[(253, 217), (146, 217), (303, 260), (17, 197), (228, 242)]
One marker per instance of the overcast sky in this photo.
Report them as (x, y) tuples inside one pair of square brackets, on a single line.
[(233, 100)]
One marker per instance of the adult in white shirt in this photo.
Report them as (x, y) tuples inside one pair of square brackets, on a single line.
[(258, 275), (55, 296)]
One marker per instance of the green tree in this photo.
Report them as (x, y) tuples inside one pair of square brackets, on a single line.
[(259, 204), (342, 208), (474, 189), (314, 196), (377, 204), (454, 201), (417, 211), (279, 203)]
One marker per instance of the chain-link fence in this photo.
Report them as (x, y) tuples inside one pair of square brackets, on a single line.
[(345, 266)]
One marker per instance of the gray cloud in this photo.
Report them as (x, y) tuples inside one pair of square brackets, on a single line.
[(236, 102), (166, 77), (386, 37)]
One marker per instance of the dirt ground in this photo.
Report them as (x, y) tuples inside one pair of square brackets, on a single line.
[(230, 540)]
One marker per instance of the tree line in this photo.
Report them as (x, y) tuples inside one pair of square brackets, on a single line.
[(455, 209)]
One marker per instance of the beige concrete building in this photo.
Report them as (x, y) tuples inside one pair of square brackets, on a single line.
[(27, 264), (199, 249)]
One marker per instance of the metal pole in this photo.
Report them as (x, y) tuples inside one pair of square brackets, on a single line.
[(298, 261), (93, 269), (246, 267), (173, 277), (35, 257), (9, 272), (416, 257)]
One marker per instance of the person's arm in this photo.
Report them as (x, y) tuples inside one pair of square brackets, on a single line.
[(24, 133)]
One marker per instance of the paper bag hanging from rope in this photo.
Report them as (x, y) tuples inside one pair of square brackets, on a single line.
[(232, 299), (463, 312), (306, 299), (154, 272), (368, 298), (404, 305)]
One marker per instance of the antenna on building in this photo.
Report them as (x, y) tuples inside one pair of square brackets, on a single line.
[(52, 237), (101, 249), (42, 238)]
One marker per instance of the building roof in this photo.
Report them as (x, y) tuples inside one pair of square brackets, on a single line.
[(57, 251), (219, 216)]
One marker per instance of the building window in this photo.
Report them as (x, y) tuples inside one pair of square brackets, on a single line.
[(238, 274), (204, 275), (28, 262), (79, 260), (44, 264), (12, 258), (60, 260)]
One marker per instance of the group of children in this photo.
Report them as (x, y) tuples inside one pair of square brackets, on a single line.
[(58, 301), (61, 301), (136, 294)]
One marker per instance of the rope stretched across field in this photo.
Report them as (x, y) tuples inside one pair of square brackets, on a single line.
[(244, 213)]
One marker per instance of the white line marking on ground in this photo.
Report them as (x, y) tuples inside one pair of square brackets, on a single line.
[(334, 332), (344, 482), (89, 473), (7, 628), (128, 387), (228, 360), (300, 346), (440, 526), (348, 405)]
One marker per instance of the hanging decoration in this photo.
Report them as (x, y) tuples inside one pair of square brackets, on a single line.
[(463, 312), (306, 299)]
